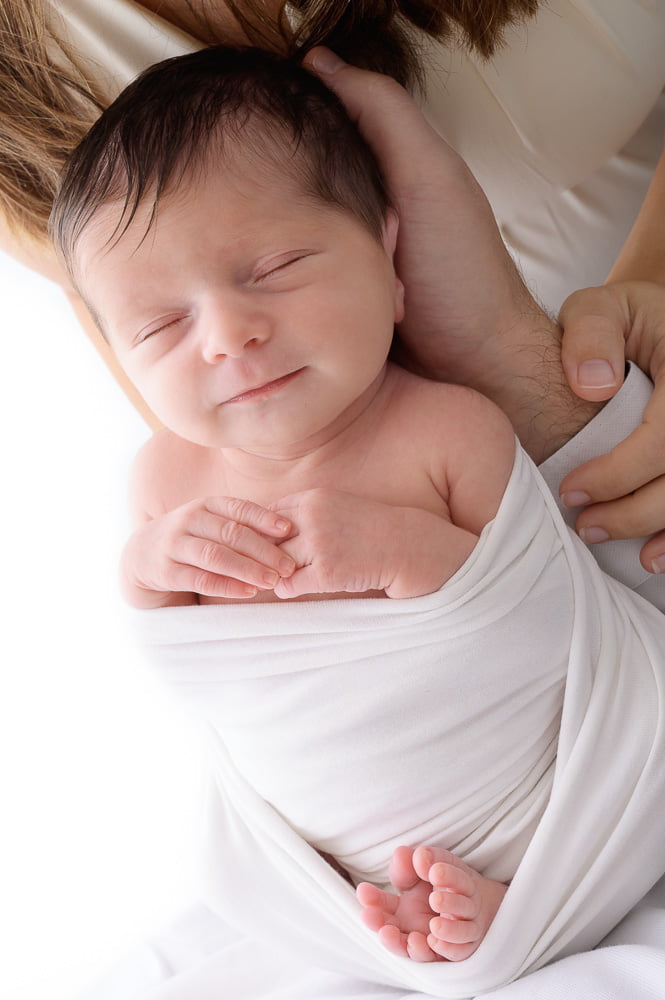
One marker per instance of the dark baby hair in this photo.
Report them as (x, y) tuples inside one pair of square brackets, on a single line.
[(182, 113)]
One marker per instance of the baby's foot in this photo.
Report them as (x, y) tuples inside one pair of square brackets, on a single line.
[(465, 901), (401, 921), (443, 909)]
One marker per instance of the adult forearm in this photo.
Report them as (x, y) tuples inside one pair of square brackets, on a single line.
[(642, 257), (523, 375)]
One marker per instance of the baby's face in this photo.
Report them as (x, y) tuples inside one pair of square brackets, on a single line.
[(249, 317)]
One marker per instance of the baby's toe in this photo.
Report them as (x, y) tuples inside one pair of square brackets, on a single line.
[(373, 917), (393, 940), (401, 871), (453, 904), (455, 931), (451, 952), (418, 948), (370, 895), (453, 876)]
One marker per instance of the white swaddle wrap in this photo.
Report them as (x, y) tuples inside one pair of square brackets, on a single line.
[(362, 724)]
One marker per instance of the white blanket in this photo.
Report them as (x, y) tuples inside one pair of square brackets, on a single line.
[(357, 725)]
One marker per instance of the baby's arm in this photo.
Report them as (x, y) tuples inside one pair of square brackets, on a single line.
[(472, 454)]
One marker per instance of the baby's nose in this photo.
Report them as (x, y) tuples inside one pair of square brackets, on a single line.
[(230, 328)]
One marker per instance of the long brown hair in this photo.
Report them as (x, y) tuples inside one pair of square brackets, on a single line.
[(383, 34), (45, 110)]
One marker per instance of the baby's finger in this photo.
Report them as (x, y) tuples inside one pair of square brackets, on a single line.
[(235, 536), (303, 581), (252, 515), (235, 555), (191, 580), (634, 516), (593, 345)]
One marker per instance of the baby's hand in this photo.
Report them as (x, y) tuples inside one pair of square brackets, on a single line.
[(345, 543), (217, 547)]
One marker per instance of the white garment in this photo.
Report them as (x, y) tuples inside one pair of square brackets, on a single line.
[(461, 688), (436, 686), (517, 716)]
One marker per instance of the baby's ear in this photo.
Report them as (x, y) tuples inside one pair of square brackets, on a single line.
[(389, 239)]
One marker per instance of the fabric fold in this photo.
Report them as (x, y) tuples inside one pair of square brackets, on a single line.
[(515, 717)]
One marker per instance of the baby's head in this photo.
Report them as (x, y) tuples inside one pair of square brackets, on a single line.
[(225, 206)]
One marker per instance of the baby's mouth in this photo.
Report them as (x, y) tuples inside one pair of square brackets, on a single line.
[(263, 390)]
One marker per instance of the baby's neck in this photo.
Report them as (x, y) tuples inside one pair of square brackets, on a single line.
[(321, 458)]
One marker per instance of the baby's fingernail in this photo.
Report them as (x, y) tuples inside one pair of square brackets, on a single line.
[(270, 578), (575, 498), (326, 61), (658, 564), (592, 535), (426, 856), (596, 374), (286, 566)]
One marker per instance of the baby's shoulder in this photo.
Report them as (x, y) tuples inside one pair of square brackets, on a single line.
[(438, 406), (165, 471)]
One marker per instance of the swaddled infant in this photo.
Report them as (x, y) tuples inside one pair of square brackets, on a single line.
[(231, 234)]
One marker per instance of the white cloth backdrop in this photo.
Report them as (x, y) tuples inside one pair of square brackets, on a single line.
[(100, 773)]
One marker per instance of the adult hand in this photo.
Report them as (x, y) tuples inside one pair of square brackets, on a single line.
[(624, 491), (217, 547), (343, 543), (469, 318)]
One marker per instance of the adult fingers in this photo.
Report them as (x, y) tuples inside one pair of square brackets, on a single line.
[(385, 113), (652, 555), (595, 325), (634, 516), (630, 466)]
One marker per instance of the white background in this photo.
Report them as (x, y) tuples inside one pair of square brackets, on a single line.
[(100, 774)]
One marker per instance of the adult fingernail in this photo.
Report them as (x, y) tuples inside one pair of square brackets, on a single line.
[(281, 525), (270, 578), (325, 61), (658, 564), (594, 534), (596, 374), (575, 498)]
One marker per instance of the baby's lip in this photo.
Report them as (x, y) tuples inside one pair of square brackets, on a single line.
[(262, 388)]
